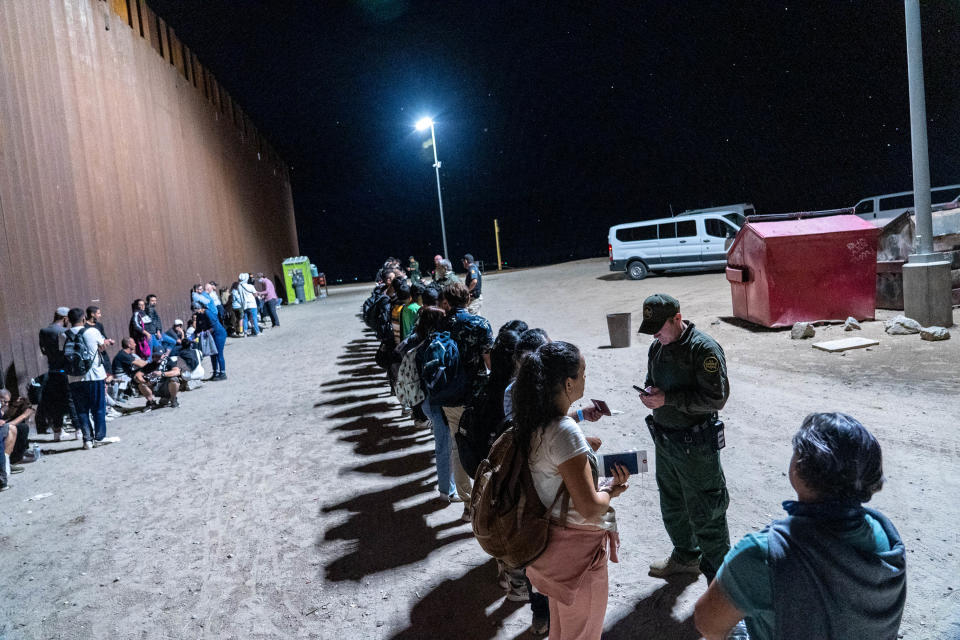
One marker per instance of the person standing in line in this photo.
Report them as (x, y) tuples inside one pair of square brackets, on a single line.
[(474, 282), (445, 275), (88, 390), (270, 299), (156, 326), (249, 295), (217, 362), (141, 328), (55, 399), (832, 568), (572, 570), (686, 385)]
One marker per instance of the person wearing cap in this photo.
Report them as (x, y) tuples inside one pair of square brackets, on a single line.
[(444, 274), (55, 399), (176, 332), (413, 270), (474, 282), (686, 385)]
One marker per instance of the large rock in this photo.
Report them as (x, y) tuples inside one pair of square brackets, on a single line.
[(934, 334), (851, 324), (902, 326), (802, 330)]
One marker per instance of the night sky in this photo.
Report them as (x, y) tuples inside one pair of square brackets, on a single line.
[(561, 119)]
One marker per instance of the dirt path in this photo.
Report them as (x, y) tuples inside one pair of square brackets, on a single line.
[(292, 500)]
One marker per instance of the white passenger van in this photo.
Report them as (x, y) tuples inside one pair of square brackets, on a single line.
[(892, 205), (691, 241)]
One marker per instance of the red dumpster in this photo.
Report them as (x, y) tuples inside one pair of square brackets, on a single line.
[(785, 269)]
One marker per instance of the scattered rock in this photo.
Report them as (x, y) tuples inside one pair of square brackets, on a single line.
[(902, 326), (851, 324), (802, 330), (934, 334)]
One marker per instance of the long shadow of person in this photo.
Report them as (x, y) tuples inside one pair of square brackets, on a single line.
[(652, 617), (387, 537), (458, 608)]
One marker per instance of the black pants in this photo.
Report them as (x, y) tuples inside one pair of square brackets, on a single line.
[(23, 441), (55, 402)]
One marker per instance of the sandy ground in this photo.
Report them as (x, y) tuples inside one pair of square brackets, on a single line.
[(292, 500)]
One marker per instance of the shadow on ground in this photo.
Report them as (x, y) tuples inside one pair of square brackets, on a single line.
[(652, 617), (458, 608), (385, 537)]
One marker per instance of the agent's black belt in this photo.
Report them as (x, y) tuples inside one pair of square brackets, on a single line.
[(709, 432)]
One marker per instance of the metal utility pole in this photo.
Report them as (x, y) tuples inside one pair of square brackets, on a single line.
[(436, 165), (926, 278)]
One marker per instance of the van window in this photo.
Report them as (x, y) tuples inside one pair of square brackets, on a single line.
[(748, 211), (896, 202), (864, 207), (717, 228), (687, 229), (634, 234), (737, 219), (668, 230), (940, 196)]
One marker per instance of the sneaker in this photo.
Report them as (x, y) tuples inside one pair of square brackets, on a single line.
[(454, 498), (14, 468), (669, 567), (518, 593), (468, 515), (421, 424), (113, 413), (108, 418), (4, 486), (151, 404), (88, 444), (174, 403), (109, 440), (540, 626)]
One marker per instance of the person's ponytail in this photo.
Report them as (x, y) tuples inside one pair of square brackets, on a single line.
[(539, 381)]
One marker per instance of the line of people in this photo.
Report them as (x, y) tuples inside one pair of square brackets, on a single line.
[(831, 569), (85, 387)]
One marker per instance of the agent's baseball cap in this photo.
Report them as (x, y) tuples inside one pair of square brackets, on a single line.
[(657, 309)]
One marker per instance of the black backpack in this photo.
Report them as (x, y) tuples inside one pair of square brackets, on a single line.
[(77, 356)]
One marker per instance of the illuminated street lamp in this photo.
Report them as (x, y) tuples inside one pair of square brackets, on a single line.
[(423, 124)]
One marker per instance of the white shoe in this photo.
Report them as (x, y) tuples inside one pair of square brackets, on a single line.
[(113, 413), (108, 418), (110, 439), (88, 444)]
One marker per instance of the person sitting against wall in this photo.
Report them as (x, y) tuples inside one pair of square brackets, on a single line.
[(128, 366), (832, 569), (14, 434)]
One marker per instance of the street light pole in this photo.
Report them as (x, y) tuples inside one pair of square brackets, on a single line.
[(927, 294), (436, 165)]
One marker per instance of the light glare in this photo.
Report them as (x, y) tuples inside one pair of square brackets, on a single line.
[(424, 123)]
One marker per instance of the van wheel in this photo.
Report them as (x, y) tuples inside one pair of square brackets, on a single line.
[(637, 270)]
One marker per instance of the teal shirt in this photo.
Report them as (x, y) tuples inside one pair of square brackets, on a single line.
[(746, 578)]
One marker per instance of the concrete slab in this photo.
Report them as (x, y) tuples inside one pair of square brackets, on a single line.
[(845, 344)]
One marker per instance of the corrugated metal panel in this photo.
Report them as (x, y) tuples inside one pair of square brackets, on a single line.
[(118, 178)]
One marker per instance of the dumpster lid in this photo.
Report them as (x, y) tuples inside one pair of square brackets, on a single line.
[(809, 226)]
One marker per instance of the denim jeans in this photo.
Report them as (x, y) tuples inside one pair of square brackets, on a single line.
[(250, 317), (89, 397), (441, 442), (220, 339), (271, 307)]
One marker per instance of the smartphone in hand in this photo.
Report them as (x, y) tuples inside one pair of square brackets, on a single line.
[(602, 407), (641, 390)]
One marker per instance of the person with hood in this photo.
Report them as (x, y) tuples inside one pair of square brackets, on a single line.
[(832, 569), (248, 294)]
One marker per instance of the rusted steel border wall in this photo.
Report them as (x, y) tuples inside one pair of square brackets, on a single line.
[(125, 169)]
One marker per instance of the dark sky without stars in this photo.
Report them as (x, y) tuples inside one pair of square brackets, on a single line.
[(561, 119)]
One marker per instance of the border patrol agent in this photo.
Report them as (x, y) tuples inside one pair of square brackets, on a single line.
[(686, 385)]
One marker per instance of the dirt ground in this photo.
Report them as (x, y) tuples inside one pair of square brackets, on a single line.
[(292, 501)]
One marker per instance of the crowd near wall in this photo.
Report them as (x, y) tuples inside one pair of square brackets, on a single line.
[(125, 169)]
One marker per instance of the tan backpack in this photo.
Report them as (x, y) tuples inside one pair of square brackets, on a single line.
[(509, 520)]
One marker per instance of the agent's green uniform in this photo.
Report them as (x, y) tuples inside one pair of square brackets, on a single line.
[(693, 491)]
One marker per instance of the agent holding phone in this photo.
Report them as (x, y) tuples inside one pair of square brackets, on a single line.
[(686, 385)]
